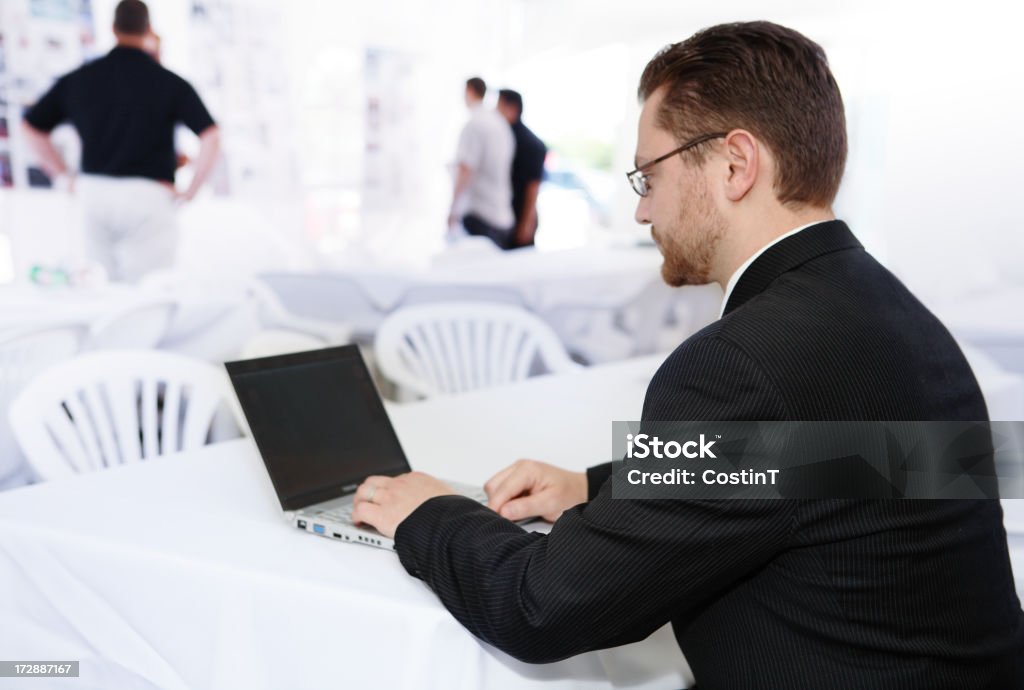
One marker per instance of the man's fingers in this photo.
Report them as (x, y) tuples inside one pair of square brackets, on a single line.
[(534, 505), (365, 491), (515, 484), (372, 489), (492, 484), (367, 513)]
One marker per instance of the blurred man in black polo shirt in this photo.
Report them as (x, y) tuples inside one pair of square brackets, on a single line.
[(527, 168), (125, 107)]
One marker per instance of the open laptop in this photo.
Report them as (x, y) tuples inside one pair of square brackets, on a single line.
[(321, 429)]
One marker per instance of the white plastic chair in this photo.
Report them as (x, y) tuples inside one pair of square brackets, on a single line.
[(22, 356), (115, 407), (445, 348), (261, 314), (274, 315), (139, 326), (327, 297)]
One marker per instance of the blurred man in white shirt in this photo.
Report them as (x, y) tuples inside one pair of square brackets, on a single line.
[(482, 198)]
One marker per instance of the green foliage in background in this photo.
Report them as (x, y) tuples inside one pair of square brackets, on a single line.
[(590, 153)]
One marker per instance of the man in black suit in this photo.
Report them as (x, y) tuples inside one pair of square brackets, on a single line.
[(741, 148)]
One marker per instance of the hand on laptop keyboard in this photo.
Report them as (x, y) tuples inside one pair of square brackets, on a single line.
[(343, 514)]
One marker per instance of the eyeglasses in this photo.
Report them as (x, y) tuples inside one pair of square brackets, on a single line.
[(638, 179)]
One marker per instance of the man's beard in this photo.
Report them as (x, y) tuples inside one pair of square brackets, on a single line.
[(689, 247)]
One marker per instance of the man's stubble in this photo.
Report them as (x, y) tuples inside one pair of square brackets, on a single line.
[(689, 248)]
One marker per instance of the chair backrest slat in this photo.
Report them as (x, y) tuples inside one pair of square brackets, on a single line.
[(170, 438), (203, 403), (526, 351), (464, 357), (122, 401), (148, 417), (99, 411), (481, 336), (425, 355), (500, 363), (58, 428)]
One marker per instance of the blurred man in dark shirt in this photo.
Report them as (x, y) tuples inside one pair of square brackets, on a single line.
[(125, 107), (527, 168)]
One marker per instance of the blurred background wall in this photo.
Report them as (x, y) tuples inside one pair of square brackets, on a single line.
[(340, 118)]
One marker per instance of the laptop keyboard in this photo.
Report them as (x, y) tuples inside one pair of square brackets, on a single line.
[(477, 493), (344, 513)]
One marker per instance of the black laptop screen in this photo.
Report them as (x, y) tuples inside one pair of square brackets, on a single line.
[(318, 422)]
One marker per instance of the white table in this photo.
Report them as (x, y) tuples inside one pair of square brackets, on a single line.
[(1003, 390), (594, 275), (27, 306), (605, 303), (24, 306), (181, 573), (989, 321)]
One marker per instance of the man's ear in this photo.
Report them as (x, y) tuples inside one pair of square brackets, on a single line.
[(742, 152)]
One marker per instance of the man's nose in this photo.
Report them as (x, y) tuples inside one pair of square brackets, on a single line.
[(641, 215)]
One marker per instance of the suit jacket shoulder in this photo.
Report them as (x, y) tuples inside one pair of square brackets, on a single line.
[(712, 377)]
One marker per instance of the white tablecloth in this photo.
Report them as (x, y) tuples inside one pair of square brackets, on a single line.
[(989, 321), (1003, 390), (181, 573), (26, 306), (605, 303), (603, 276)]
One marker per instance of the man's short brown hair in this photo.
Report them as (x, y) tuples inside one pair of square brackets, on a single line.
[(131, 17), (477, 86), (767, 79)]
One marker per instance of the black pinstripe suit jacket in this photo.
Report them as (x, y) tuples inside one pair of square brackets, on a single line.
[(764, 594)]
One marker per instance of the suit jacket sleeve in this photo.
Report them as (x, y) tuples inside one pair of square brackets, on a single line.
[(611, 571)]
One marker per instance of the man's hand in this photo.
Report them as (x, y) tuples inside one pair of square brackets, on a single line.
[(65, 182), (530, 488), (209, 149), (384, 502), (521, 236)]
